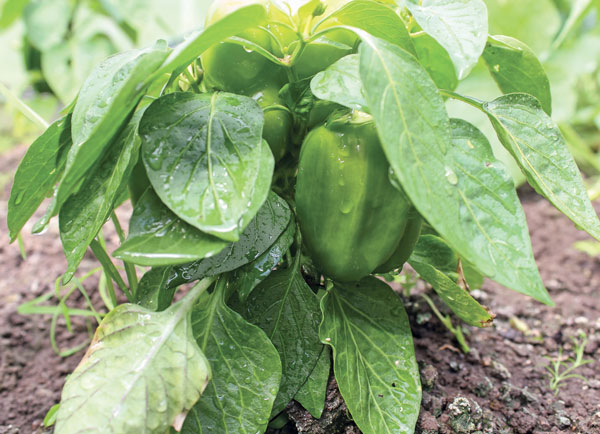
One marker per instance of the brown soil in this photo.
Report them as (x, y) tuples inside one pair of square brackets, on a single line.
[(501, 386)]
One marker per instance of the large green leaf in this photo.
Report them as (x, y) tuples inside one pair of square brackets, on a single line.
[(247, 277), (460, 26), (39, 170), (312, 393), (378, 19), (105, 101), (436, 61), (448, 183), (340, 83), (373, 355), (517, 69), (287, 310), (263, 231), (195, 44), (202, 154), (539, 148), (141, 371), (423, 260), (246, 371), (159, 237), (85, 212), (47, 22), (489, 203)]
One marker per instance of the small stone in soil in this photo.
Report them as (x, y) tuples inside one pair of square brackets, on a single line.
[(428, 376), (499, 370), (484, 387)]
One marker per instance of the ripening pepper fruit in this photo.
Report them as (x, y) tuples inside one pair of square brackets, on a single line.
[(233, 68), (318, 54), (138, 182), (351, 217), (406, 245), (278, 121)]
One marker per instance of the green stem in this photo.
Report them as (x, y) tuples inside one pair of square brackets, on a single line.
[(129, 268), (109, 268), (477, 103), (277, 107), (249, 45), (418, 34), (191, 80), (21, 246), (447, 321), (190, 298), (23, 108)]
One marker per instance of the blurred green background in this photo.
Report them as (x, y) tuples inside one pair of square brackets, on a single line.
[(48, 47)]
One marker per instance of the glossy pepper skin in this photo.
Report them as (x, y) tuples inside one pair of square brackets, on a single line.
[(406, 245), (231, 67), (351, 217), (278, 121)]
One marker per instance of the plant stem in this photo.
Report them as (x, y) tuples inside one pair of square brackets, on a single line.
[(191, 80), (477, 103), (110, 268), (447, 321), (21, 246), (29, 113), (190, 298), (129, 268)]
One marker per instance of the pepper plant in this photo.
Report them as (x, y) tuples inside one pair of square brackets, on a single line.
[(277, 161)]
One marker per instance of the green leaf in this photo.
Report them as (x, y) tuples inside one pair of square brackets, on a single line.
[(105, 101), (373, 355), (287, 310), (539, 148), (270, 222), (39, 170), (460, 26), (207, 169), (142, 370), (46, 22), (65, 66), (436, 61), (11, 10), (85, 212), (232, 24), (449, 185), (489, 203), (340, 83), (246, 371), (455, 297), (312, 393), (517, 69), (154, 290), (247, 277), (159, 237), (376, 18)]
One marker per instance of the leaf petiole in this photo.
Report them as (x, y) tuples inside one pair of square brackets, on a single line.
[(477, 103), (129, 267)]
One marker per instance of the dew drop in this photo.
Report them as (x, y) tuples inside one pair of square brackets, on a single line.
[(451, 176), (346, 205), (19, 197)]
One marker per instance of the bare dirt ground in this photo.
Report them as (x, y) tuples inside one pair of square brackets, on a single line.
[(500, 386)]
